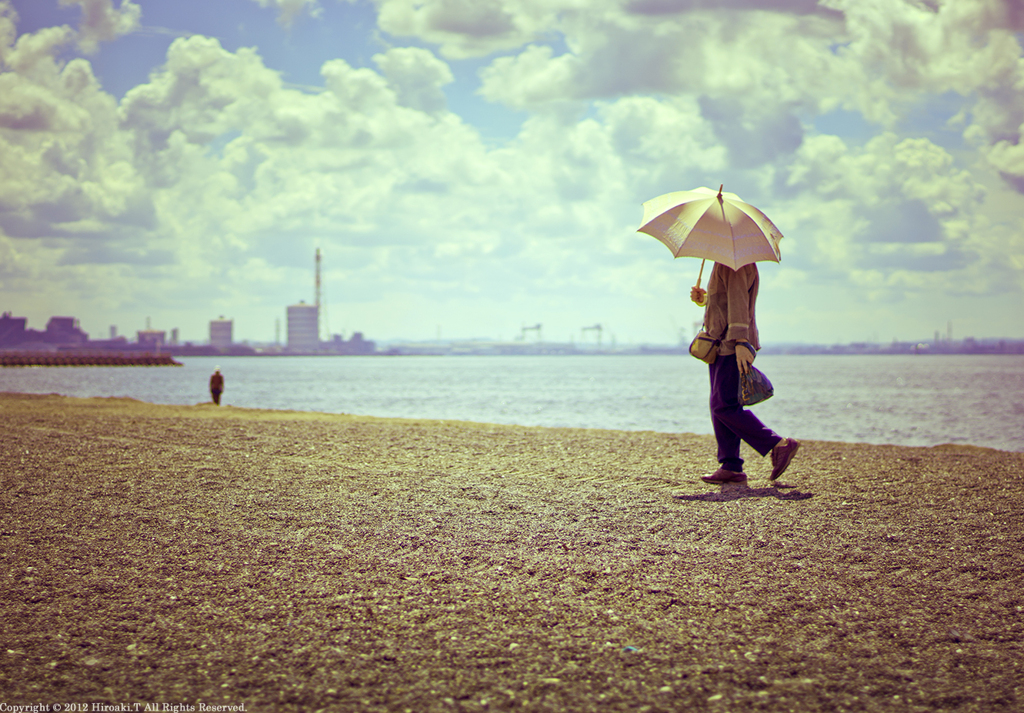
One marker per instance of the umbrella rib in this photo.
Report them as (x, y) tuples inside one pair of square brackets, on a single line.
[(721, 204)]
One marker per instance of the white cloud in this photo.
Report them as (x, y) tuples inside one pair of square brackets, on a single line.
[(758, 70), (895, 214), (65, 164), (472, 28), (102, 22), (970, 47), (289, 10), (756, 56), (416, 76), (955, 46), (752, 73), (353, 168), (530, 78)]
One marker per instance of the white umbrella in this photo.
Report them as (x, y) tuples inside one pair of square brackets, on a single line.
[(712, 225)]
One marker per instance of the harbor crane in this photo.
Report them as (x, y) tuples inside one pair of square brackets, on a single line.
[(534, 328), (596, 328)]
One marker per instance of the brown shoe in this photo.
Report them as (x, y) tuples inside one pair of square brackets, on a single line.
[(782, 455), (724, 476)]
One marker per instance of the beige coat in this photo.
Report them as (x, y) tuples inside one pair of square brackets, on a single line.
[(729, 314)]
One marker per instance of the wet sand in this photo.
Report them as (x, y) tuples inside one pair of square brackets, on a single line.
[(290, 561)]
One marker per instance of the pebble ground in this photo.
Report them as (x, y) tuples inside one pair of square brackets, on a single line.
[(286, 561)]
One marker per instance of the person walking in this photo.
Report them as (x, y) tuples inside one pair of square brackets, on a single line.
[(728, 305), (216, 385)]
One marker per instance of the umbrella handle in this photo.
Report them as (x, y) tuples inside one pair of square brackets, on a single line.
[(701, 273)]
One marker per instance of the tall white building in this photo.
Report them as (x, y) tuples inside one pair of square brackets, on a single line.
[(220, 333), (303, 327)]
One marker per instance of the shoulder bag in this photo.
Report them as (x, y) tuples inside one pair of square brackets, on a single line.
[(705, 347)]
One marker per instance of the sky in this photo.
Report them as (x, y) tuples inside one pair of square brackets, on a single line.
[(472, 167)]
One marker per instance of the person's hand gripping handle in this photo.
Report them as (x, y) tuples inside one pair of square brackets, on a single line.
[(697, 295)]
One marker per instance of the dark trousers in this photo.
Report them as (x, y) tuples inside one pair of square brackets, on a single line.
[(216, 396), (732, 422)]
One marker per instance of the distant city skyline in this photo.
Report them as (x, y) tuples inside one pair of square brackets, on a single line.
[(466, 174), (300, 338)]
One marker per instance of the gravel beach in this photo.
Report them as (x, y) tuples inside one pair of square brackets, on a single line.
[(281, 561)]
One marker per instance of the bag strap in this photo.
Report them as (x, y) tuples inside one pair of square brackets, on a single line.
[(707, 308)]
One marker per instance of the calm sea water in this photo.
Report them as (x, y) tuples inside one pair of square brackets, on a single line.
[(901, 400)]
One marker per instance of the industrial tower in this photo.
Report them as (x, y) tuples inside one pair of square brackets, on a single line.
[(316, 296)]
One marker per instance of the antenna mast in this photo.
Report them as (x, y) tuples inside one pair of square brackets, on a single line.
[(316, 296)]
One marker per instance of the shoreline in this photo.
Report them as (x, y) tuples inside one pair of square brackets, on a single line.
[(295, 561)]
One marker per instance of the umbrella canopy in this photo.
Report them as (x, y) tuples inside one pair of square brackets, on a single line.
[(712, 225)]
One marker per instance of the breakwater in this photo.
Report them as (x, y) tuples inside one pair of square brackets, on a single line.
[(105, 359)]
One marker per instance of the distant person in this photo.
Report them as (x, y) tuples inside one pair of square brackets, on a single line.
[(729, 316), (216, 385)]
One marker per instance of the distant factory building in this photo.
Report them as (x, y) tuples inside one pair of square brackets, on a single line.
[(12, 330), (151, 338), (220, 333), (65, 330), (303, 327), (59, 330)]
